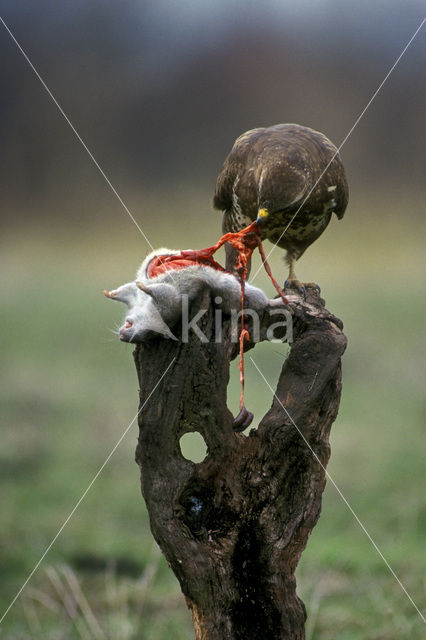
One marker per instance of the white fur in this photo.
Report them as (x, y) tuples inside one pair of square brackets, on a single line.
[(155, 314)]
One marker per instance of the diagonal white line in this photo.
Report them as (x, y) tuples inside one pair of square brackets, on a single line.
[(347, 136), (78, 136), (343, 497), (64, 524)]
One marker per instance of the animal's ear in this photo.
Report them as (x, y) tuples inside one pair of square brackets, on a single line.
[(145, 288), (127, 293), (162, 293)]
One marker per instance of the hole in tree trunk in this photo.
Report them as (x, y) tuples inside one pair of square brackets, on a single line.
[(193, 447)]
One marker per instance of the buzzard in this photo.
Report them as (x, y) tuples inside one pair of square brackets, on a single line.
[(289, 179)]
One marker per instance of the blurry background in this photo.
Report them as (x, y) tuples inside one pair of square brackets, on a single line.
[(159, 91)]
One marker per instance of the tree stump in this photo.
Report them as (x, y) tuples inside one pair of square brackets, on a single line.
[(233, 527)]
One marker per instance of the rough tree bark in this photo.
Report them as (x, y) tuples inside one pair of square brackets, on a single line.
[(234, 526)]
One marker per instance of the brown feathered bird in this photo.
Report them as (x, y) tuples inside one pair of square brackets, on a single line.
[(287, 177)]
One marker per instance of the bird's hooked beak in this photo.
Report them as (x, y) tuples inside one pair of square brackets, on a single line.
[(262, 215)]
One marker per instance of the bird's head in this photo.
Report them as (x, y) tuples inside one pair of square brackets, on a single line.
[(262, 215)]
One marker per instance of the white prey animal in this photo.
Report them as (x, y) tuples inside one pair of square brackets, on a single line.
[(155, 304)]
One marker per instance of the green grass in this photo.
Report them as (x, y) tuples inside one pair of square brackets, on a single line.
[(69, 391)]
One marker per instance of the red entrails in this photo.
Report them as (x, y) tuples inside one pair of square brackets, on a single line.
[(161, 264), (245, 242)]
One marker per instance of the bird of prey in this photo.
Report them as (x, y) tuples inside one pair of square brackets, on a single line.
[(288, 178)]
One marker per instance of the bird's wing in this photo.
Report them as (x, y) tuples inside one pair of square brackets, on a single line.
[(222, 199), (234, 168), (342, 192)]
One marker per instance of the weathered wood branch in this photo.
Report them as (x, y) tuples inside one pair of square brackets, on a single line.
[(234, 526)]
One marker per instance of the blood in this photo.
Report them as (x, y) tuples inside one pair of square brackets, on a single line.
[(245, 242), (161, 264)]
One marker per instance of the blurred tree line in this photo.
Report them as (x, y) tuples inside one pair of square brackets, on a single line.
[(159, 91)]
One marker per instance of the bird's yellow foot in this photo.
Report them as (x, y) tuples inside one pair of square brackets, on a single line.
[(294, 283), (312, 285)]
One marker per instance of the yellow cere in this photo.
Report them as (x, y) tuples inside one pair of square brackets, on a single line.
[(263, 213)]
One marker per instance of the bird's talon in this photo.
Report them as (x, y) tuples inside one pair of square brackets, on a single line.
[(313, 285), (293, 283)]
